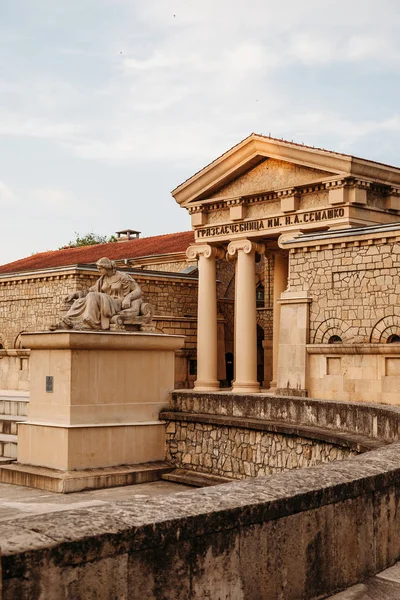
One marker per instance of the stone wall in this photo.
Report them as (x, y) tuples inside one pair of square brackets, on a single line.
[(367, 373), (14, 370), (239, 436), (240, 453), (354, 286), (373, 422), (301, 534), (348, 288), (32, 303)]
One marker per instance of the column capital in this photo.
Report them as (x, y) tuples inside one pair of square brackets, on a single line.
[(197, 250), (246, 246)]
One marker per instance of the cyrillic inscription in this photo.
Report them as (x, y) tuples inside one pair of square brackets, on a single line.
[(272, 223)]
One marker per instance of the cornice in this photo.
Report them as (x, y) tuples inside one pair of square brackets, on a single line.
[(214, 204), (255, 149), (77, 273), (359, 240)]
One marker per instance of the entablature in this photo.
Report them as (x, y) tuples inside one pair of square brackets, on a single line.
[(344, 203)]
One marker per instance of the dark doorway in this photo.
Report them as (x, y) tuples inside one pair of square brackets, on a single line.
[(229, 368), (260, 355)]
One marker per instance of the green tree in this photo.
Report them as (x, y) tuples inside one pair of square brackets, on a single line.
[(89, 239)]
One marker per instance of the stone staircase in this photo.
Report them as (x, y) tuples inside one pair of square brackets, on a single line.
[(13, 409)]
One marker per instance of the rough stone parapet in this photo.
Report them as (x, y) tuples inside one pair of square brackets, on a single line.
[(373, 421), (302, 534)]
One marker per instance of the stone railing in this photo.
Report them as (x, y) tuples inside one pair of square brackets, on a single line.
[(373, 421), (302, 534)]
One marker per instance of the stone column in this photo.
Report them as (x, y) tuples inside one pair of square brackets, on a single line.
[(245, 316), (207, 331), (280, 285)]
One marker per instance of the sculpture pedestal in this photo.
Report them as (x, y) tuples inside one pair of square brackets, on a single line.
[(95, 399)]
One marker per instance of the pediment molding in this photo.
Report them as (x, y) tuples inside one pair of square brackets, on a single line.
[(255, 149)]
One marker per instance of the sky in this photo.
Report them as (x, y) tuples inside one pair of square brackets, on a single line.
[(108, 105)]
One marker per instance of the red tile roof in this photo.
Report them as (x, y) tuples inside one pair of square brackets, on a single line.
[(160, 244)]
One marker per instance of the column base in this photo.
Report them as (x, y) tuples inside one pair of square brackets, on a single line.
[(204, 386), (245, 388)]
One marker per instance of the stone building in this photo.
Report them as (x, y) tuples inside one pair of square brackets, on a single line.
[(32, 289), (328, 224), (295, 252)]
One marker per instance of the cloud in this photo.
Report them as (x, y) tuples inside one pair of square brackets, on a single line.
[(117, 99), (155, 82), (58, 202), (6, 195)]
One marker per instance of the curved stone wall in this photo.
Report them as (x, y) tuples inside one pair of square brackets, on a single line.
[(300, 534), (239, 436), (375, 422), (241, 452)]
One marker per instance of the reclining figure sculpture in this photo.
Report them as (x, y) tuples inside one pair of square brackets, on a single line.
[(114, 303)]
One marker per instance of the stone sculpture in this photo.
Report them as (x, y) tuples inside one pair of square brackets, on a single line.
[(114, 303)]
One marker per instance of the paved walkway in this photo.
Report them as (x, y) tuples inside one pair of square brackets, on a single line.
[(384, 586), (17, 501)]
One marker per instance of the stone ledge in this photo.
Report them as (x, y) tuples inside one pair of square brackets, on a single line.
[(338, 349), (274, 520), (374, 421), (99, 340), (358, 443), (194, 478), (66, 482)]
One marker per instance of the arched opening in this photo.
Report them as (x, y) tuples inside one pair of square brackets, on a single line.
[(393, 339), (335, 339)]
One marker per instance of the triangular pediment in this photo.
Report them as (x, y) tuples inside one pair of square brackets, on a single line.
[(271, 174), (278, 164)]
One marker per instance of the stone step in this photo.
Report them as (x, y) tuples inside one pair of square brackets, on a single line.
[(13, 406), (194, 478), (66, 482), (4, 460), (8, 445)]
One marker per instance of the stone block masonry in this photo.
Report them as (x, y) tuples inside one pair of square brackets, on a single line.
[(240, 453), (354, 284), (31, 302)]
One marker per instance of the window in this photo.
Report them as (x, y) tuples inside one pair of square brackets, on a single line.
[(260, 296), (393, 339), (335, 339)]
